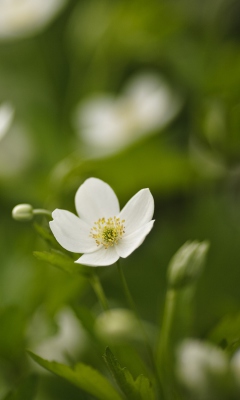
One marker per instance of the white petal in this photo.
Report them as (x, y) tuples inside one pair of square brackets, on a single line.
[(138, 211), (6, 117), (99, 258), (131, 242), (22, 18), (99, 122), (71, 232), (95, 199)]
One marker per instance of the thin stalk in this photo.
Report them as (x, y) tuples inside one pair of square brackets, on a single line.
[(41, 211), (168, 316), (98, 289), (164, 350), (126, 290), (134, 309)]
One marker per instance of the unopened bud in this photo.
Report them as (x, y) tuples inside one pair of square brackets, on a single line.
[(187, 264), (116, 325), (23, 212)]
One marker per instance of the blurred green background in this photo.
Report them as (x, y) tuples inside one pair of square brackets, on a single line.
[(190, 161)]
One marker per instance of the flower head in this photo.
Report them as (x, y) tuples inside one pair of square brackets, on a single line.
[(101, 231), (108, 123), (202, 368)]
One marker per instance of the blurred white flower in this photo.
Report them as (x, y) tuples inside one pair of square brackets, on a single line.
[(235, 366), (102, 232), (19, 18), (201, 367), (68, 341), (16, 151), (6, 117), (110, 123)]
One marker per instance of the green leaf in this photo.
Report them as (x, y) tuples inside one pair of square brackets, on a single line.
[(83, 376), (46, 235), (144, 387), (12, 332), (25, 391), (227, 333), (176, 170), (139, 389), (87, 319), (62, 261)]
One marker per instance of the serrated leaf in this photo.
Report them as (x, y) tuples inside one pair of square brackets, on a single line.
[(25, 391), (139, 389), (61, 261), (83, 376), (144, 387)]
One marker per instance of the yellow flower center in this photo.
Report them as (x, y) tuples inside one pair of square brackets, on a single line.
[(107, 231)]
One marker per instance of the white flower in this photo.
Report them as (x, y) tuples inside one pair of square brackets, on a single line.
[(68, 341), (102, 232), (201, 367), (110, 123), (6, 117), (16, 150), (20, 18), (235, 366)]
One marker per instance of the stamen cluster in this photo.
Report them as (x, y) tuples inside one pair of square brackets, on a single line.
[(107, 232)]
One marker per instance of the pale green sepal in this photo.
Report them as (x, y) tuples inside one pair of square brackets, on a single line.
[(139, 389), (61, 261), (187, 263), (82, 376)]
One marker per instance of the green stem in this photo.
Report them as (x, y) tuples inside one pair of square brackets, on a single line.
[(145, 336), (164, 350), (168, 316), (126, 290), (41, 211), (98, 289)]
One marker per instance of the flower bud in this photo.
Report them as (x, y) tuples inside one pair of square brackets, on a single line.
[(116, 325), (186, 265), (23, 212)]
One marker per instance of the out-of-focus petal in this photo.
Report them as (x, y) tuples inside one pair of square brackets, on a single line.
[(26, 17), (6, 117)]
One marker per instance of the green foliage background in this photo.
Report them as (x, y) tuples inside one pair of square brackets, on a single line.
[(191, 166)]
